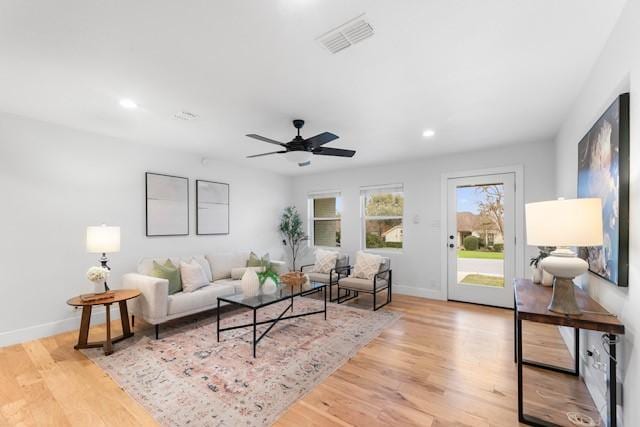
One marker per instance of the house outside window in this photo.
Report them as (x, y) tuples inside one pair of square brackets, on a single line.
[(324, 219), (382, 214)]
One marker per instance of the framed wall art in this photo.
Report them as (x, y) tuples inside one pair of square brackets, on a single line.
[(603, 171), (167, 205), (212, 208)]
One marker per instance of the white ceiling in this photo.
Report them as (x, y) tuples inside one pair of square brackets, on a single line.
[(480, 73)]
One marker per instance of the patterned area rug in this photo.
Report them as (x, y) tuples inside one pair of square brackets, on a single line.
[(187, 378)]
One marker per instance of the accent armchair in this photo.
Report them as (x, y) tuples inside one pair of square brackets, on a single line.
[(381, 281), (342, 268)]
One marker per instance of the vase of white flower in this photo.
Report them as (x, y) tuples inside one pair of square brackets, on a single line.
[(98, 276)]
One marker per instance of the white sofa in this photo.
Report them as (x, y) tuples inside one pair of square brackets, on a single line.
[(156, 306)]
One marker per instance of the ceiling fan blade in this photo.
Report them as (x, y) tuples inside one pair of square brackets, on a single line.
[(307, 163), (262, 138), (266, 154), (326, 151), (321, 139)]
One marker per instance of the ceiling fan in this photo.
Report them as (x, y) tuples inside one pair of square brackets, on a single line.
[(300, 150)]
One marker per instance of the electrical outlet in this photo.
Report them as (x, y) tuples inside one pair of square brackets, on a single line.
[(596, 359)]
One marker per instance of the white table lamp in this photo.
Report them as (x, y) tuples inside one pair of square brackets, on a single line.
[(564, 224), (103, 239)]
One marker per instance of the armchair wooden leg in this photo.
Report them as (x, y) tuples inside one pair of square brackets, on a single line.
[(133, 320), (157, 331)]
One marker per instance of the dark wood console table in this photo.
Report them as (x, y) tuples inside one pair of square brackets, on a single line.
[(531, 303)]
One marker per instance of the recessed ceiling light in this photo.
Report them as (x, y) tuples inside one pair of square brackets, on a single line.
[(128, 104), (428, 133)]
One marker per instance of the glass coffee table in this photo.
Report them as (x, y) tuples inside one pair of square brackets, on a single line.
[(283, 293)]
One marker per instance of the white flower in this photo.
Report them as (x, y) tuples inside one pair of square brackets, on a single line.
[(97, 274)]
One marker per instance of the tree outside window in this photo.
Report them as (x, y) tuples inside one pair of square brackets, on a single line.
[(383, 210)]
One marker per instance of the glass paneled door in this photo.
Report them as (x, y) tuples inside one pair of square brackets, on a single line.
[(481, 239)]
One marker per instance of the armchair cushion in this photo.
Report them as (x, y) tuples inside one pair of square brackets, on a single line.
[(325, 261), (367, 265), (322, 277), (358, 284)]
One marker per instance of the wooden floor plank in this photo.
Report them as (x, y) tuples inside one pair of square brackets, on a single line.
[(441, 364)]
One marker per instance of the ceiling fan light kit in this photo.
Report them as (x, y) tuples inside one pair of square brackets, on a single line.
[(298, 156), (300, 150)]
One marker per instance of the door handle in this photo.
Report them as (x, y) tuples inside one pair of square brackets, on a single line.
[(451, 245)]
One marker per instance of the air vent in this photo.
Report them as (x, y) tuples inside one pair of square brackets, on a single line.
[(185, 115), (347, 34)]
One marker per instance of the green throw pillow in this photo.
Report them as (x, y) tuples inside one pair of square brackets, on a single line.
[(171, 273), (254, 261)]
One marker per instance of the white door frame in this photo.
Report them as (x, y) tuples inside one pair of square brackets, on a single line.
[(518, 171)]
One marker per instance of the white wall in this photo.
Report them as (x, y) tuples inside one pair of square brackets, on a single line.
[(616, 71), (416, 271), (54, 181)]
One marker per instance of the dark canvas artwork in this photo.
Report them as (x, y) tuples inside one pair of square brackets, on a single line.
[(603, 171)]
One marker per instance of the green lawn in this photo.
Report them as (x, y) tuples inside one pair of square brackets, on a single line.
[(480, 254), (483, 279)]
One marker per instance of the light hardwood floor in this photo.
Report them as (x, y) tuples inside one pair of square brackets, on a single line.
[(442, 363)]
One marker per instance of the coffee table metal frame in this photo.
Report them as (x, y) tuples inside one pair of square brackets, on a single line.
[(316, 288)]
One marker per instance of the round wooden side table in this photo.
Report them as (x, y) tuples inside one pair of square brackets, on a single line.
[(120, 296)]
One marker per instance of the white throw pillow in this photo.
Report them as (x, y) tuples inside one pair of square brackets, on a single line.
[(205, 267), (193, 277), (325, 261), (367, 265), (238, 272)]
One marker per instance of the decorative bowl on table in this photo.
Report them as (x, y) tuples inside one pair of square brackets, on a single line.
[(293, 278)]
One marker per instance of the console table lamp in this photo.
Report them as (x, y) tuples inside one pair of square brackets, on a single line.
[(564, 224), (103, 239)]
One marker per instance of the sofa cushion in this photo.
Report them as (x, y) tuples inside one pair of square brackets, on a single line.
[(145, 265), (193, 276), (200, 259), (170, 272), (237, 284), (238, 272), (361, 284), (221, 264), (185, 302)]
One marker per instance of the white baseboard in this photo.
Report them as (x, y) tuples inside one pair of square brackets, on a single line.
[(52, 328), (418, 292)]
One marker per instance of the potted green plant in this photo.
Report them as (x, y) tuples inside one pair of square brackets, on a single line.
[(535, 263), (293, 233)]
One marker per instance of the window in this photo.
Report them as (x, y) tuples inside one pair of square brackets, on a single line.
[(324, 225), (382, 211)]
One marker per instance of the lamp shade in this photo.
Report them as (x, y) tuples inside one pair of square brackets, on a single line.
[(103, 239), (574, 222)]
